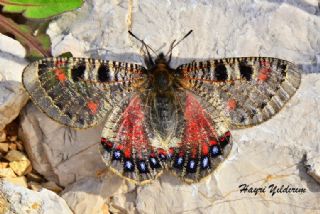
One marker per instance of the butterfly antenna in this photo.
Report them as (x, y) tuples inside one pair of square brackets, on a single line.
[(174, 44), (170, 50), (147, 47)]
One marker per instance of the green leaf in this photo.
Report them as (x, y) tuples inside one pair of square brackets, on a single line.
[(37, 45), (66, 54), (39, 9)]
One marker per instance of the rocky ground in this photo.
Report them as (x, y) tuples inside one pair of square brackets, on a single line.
[(48, 168)]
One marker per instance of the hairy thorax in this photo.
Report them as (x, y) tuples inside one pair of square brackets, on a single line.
[(165, 113)]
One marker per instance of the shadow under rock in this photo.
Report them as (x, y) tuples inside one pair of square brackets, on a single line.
[(312, 184), (9, 56), (303, 5), (176, 61)]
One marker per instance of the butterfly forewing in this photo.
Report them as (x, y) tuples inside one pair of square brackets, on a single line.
[(248, 90), (79, 92)]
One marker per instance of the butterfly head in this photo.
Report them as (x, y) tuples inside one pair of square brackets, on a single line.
[(160, 71)]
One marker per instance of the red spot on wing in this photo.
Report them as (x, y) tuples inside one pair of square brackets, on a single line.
[(162, 152), (119, 147), (213, 142), (265, 63), (60, 75), (171, 151), (232, 104), (264, 72), (127, 153), (199, 128), (92, 106), (204, 149), (194, 153), (152, 154), (227, 134), (131, 131)]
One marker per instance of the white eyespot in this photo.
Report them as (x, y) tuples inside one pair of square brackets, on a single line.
[(153, 160), (117, 154), (128, 164), (142, 166), (205, 162), (215, 150), (180, 160), (192, 164)]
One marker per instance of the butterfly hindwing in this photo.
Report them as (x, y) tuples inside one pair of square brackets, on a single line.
[(78, 92), (205, 142), (249, 90), (125, 143)]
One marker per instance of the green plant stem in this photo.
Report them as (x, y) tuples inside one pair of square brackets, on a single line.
[(29, 40)]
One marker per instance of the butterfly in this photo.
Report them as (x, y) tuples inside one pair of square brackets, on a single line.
[(158, 117)]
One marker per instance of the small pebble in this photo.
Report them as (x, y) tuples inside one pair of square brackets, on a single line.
[(3, 165), (12, 146), (20, 167), (4, 147), (12, 138), (14, 155), (7, 173), (22, 181), (3, 136)]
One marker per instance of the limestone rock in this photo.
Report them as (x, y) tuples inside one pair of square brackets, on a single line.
[(4, 206), (269, 154), (20, 167), (100, 189), (12, 98), (313, 165), (12, 55), (22, 200), (62, 155)]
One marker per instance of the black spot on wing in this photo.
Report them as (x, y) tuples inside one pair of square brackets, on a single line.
[(42, 68), (220, 72), (77, 73), (245, 71), (283, 68), (104, 73)]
